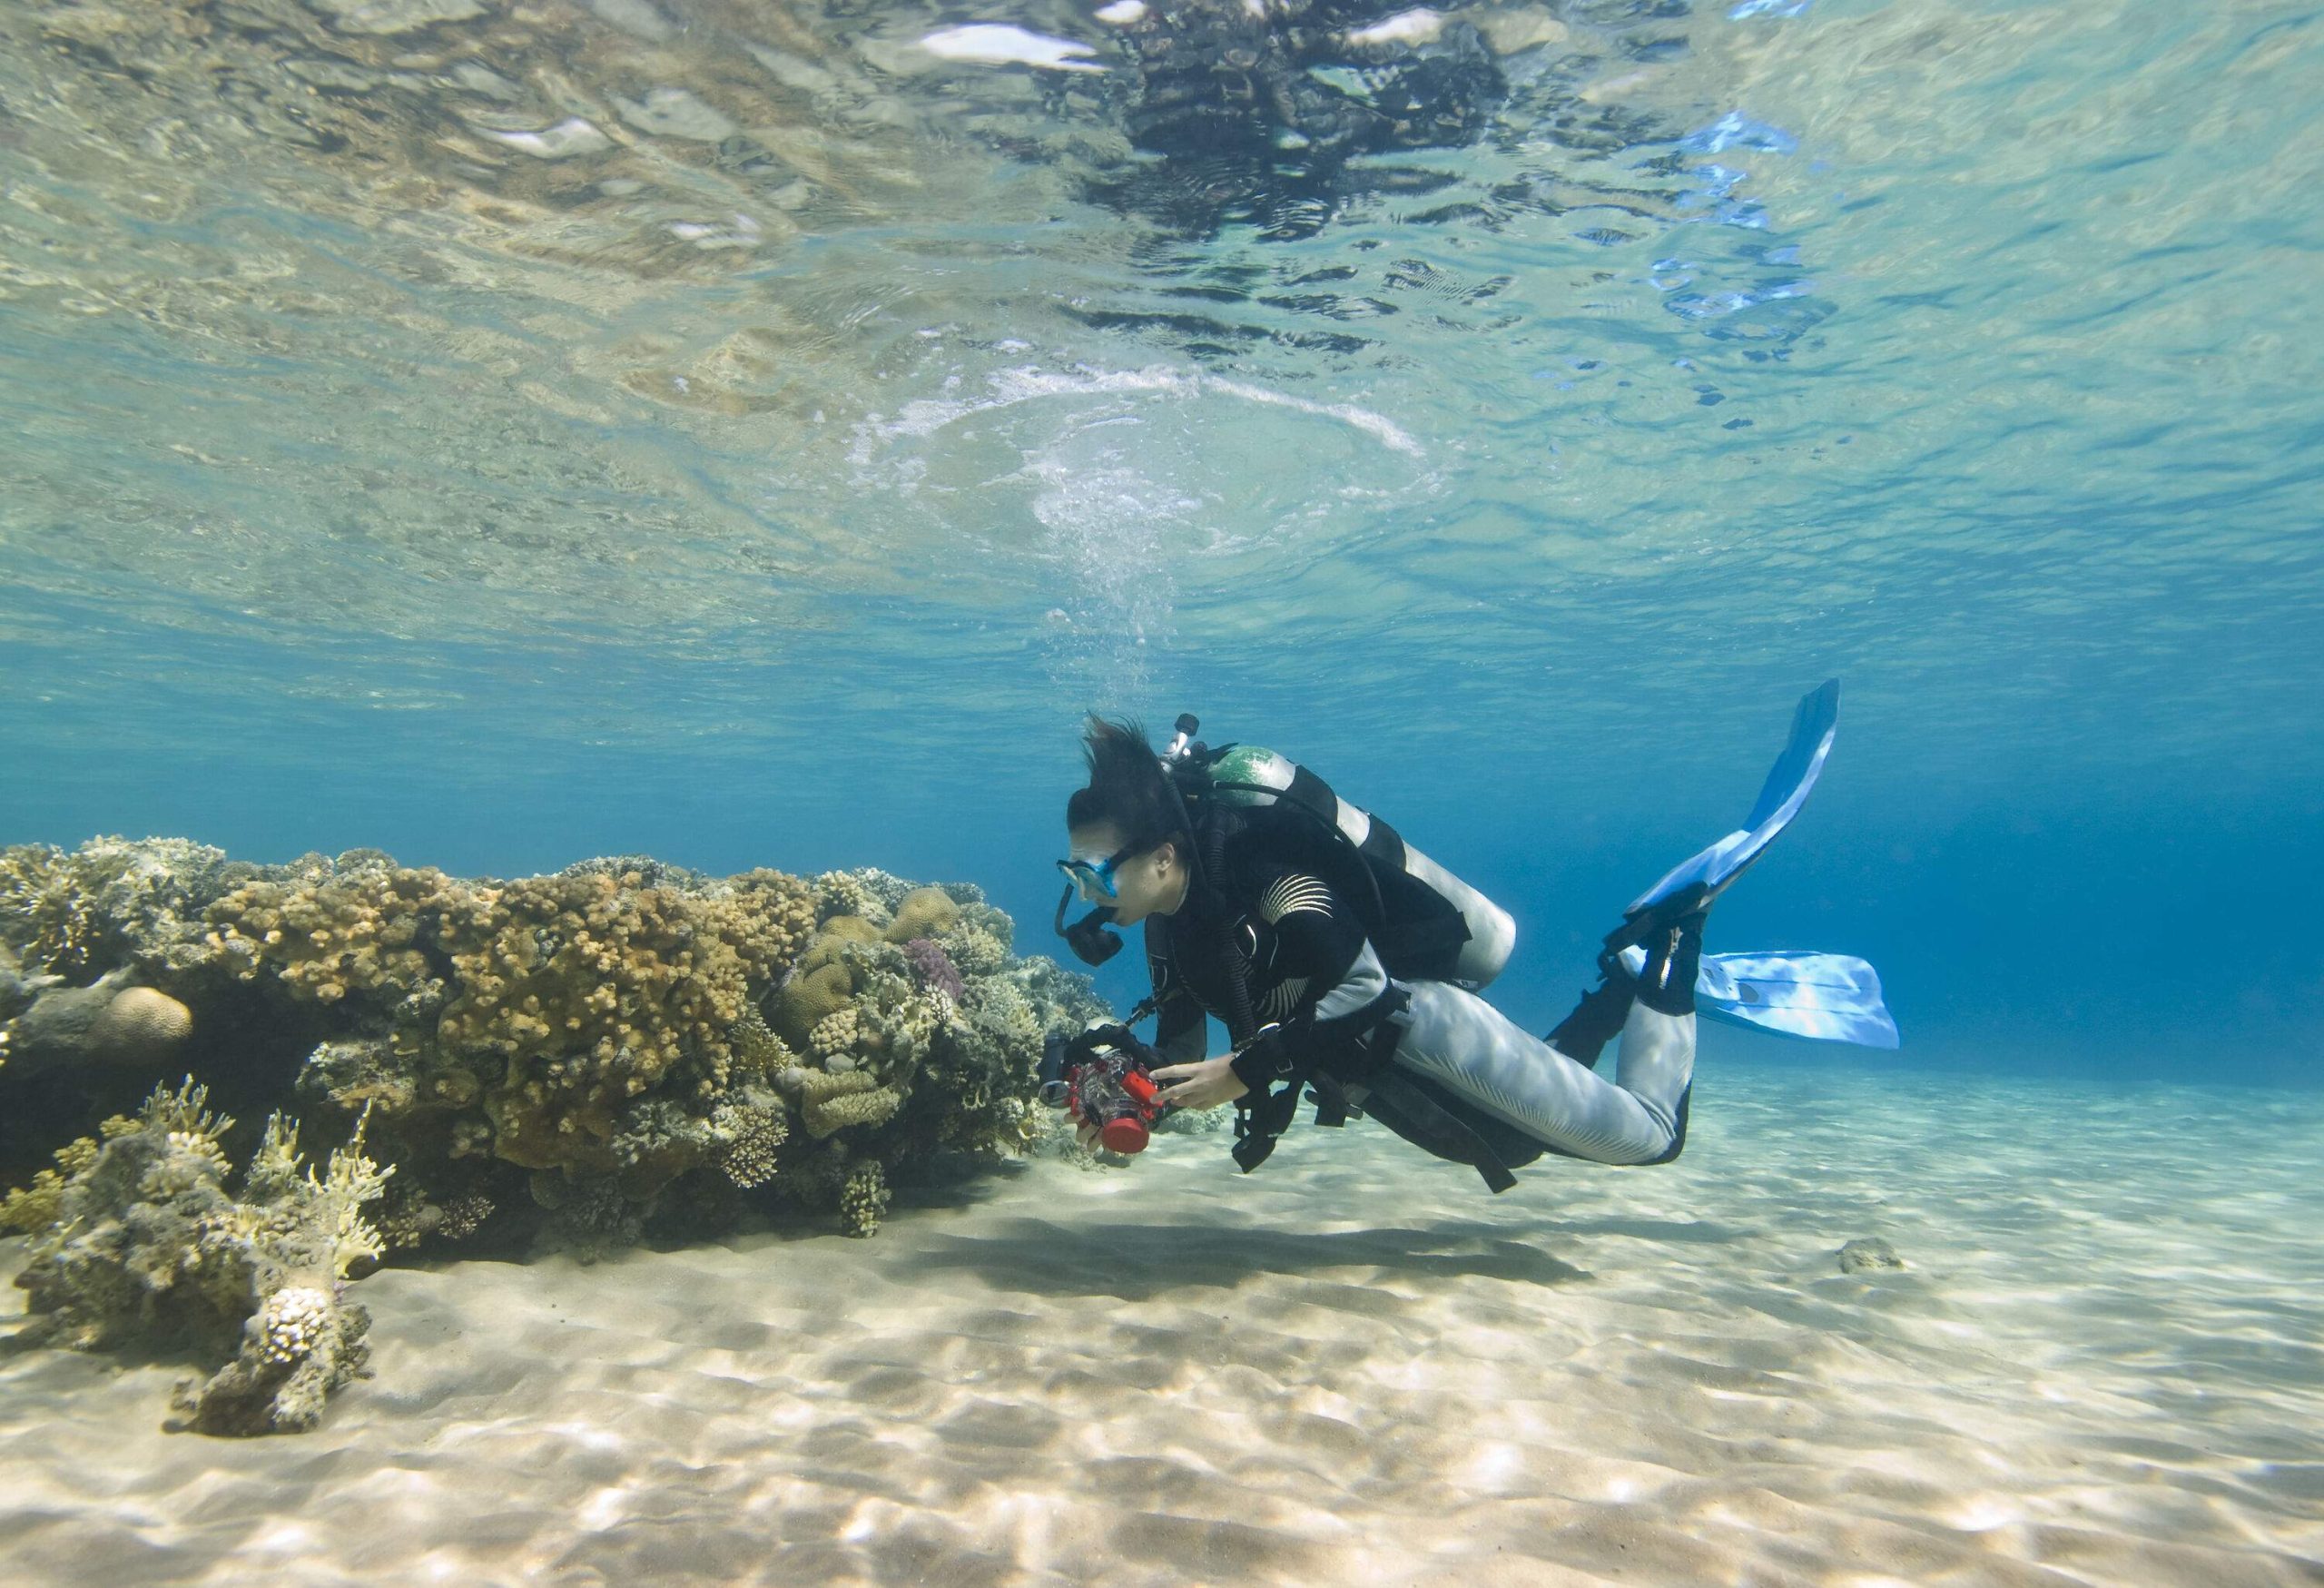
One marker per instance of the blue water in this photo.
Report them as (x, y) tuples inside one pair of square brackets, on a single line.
[(779, 487)]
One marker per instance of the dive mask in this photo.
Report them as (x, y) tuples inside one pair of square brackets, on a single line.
[(1093, 880)]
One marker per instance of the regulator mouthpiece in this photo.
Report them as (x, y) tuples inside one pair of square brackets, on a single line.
[(1091, 944)]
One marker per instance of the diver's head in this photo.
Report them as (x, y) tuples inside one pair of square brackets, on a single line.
[(1126, 833)]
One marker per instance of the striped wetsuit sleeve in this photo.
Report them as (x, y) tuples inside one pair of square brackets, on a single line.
[(1333, 988)]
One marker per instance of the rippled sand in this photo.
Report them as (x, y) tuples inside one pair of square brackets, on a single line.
[(2101, 1367)]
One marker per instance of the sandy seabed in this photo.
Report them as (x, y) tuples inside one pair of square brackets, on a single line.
[(2102, 1364)]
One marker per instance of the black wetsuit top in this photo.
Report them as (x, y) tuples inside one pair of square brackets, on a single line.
[(1307, 964)]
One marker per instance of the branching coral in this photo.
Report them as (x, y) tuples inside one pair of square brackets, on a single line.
[(748, 1132), (975, 951), (863, 1201)]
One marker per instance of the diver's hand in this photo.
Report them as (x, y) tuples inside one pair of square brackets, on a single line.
[(1205, 1084)]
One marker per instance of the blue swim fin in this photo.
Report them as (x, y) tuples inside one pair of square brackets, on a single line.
[(1824, 998), (1786, 790)]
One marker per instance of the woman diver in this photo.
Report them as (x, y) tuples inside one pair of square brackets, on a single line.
[(1343, 963)]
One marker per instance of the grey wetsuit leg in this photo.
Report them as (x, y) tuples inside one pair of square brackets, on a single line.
[(1458, 1039)]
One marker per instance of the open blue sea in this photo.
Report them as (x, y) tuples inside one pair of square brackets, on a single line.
[(506, 432)]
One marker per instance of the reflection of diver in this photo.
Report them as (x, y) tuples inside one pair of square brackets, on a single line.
[(1342, 959), (1252, 105)]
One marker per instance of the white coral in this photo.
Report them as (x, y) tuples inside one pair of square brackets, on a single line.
[(292, 1322)]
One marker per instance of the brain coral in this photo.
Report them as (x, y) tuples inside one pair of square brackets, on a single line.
[(140, 1025), (923, 912)]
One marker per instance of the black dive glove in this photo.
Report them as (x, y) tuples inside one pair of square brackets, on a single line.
[(1265, 1060)]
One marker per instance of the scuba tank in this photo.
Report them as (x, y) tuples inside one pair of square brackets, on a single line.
[(1425, 922)]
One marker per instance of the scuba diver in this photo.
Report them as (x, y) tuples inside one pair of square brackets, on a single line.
[(1344, 963)]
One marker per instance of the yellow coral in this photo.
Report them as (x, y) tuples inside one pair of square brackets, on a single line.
[(590, 991), (835, 1036)]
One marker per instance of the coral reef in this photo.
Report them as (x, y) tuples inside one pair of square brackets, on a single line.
[(136, 1245), (570, 1057)]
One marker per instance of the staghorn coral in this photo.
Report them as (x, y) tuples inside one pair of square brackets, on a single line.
[(146, 1249), (759, 1053)]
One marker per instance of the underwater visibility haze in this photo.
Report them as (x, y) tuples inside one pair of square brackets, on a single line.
[(751, 437)]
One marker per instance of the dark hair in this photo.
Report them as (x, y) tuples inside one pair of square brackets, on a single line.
[(1127, 788)]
